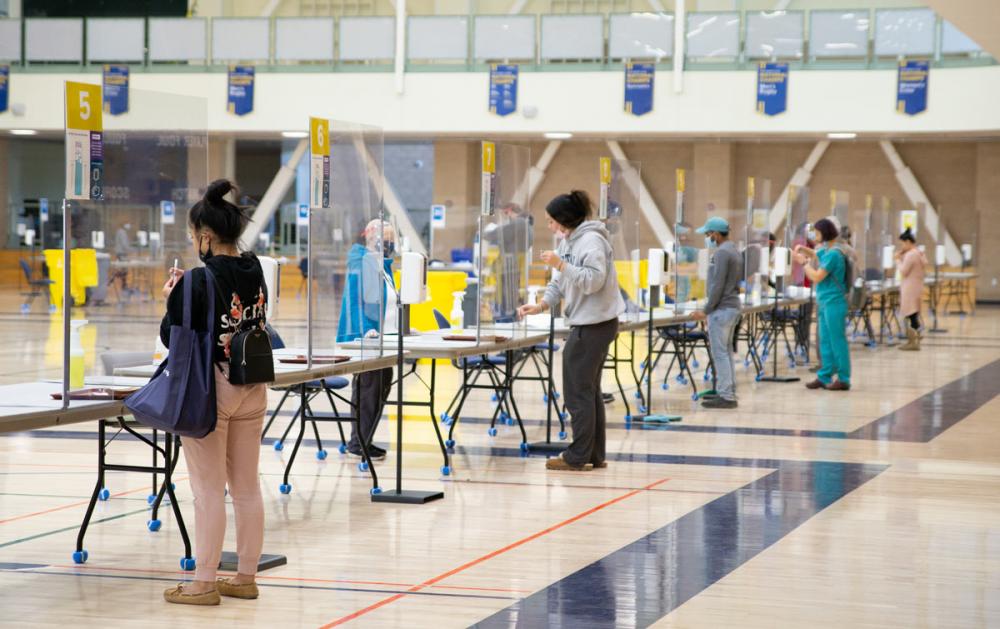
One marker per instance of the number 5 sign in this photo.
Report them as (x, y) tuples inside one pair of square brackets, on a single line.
[(84, 142)]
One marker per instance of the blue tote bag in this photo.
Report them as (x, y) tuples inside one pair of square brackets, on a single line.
[(180, 397)]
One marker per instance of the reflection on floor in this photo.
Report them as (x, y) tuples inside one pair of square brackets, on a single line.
[(873, 508)]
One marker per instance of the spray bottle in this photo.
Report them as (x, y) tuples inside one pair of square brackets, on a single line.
[(76, 354), (533, 294), (457, 315)]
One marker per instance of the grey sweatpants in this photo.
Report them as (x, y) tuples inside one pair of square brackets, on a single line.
[(583, 362)]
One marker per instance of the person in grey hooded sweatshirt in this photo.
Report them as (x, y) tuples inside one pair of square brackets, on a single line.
[(588, 284)]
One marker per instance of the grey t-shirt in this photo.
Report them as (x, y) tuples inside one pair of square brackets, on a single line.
[(724, 274)]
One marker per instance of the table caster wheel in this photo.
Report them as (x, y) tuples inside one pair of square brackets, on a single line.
[(104, 494), (150, 499), (562, 435), (694, 364), (321, 455), (376, 491), (757, 378), (80, 556), (449, 443), (153, 525), (492, 431), (173, 487), (285, 488), (187, 563), (557, 395), (545, 397), (343, 448), (637, 395), (665, 386), (445, 470), (511, 421), (695, 397), (564, 416), (279, 446), (628, 419), (363, 466), (524, 446), (643, 409)]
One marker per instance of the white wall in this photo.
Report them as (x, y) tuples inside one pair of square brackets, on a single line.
[(961, 100)]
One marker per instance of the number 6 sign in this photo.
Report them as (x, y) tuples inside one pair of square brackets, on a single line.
[(84, 142)]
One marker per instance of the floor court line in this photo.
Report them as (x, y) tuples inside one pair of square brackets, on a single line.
[(265, 585), (479, 560), (300, 579), (75, 527)]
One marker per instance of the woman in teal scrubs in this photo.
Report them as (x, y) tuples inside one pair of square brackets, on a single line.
[(829, 275)]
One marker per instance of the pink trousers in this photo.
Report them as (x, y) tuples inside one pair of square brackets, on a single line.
[(228, 455)]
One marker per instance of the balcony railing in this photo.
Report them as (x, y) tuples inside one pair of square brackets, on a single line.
[(821, 39)]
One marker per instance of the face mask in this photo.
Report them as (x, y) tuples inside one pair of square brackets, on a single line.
[(709, 243), (811, 235), (204, 257), (389, 248)]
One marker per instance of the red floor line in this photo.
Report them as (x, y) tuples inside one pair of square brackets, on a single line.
[(279, 578), (430, 582), (75, 504)]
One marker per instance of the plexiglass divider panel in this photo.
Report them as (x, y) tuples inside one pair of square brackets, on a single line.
[(124, 239), (758, 263), (506, 237), (691, 255), (799, 232), (618, 207), (353, 291)]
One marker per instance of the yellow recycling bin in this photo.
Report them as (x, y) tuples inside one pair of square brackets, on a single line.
[(83, 274)]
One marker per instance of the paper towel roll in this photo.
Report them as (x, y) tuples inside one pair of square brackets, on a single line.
[(888, 253)]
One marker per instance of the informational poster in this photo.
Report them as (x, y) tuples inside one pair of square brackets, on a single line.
[(489, 177), (302, 217), (116, 89), (319, 162), (84, 141), (605, 168), (240, 97), (438, 216), (772, 88), (43, 210), (4, 87), (639, 88), (503, 89), (168, 213), (911, 87), (908, 221)]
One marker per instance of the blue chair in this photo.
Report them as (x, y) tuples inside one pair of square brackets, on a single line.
[(36, 286)]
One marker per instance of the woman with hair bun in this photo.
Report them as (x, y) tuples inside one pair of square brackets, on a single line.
[(911, 262), (228, 455), (587, 282)]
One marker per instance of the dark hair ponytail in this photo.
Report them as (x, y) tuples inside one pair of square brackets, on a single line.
[(907, 235), (213, 211), (570, 210)]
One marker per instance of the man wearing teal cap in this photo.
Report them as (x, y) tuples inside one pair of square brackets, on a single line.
[(722, 308)]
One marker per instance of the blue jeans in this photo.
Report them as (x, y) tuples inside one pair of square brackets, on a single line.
[(720, 342)]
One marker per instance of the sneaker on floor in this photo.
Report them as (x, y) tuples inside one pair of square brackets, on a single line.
[(376, 453), (560, 464), (708, 396), (178, 595), (599, 466), (608, 398), (838, 386), (246, 591), (719, 402)]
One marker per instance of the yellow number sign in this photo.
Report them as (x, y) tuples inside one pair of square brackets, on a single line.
[(83, 107)]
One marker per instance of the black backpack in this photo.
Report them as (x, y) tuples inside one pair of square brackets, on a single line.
[(854, 288), (251, 360)]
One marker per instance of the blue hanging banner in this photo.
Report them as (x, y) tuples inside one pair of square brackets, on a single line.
[(240, 90), (503, 89), (772, 88), (4, 88), (639, 88), (911, 87), (115, 89)]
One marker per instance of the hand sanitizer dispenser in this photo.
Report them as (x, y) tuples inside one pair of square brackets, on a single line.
[(457, 315), (76, 354), (413, 285)]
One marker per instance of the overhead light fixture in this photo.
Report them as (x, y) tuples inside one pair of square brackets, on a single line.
[(558, 135), (23, 132), (294, 134), (841, 136)]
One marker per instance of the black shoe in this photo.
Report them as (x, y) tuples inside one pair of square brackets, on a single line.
[(374, 452), (719, 402), (608, 398), (708, 396)]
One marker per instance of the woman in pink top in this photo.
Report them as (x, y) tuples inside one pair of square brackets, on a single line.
[(911, 261)]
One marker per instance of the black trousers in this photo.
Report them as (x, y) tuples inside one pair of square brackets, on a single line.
[(583, 362), (370, 391)]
